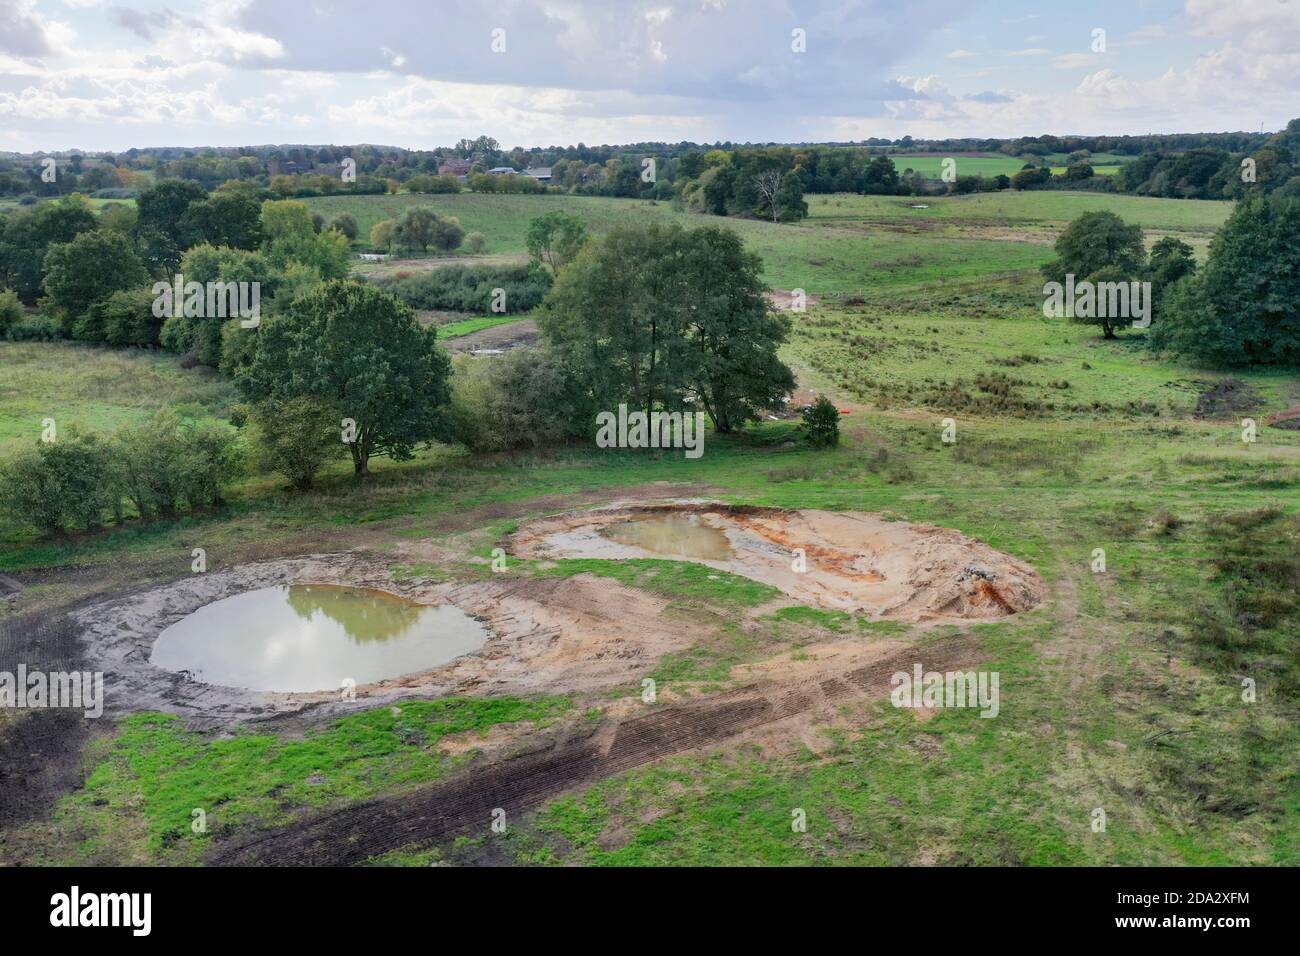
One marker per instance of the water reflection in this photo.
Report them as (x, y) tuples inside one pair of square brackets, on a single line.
[(313, 637)]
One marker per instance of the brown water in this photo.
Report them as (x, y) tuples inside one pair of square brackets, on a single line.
[(308, 637), (678, 535)]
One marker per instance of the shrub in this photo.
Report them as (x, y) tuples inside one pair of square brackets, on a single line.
[(164, 465), (296, 436), (475, 243), (345, 223), (470, 288), (11, 310), (514, 401), (35, 328), (124, 318), (821, 423), (67, 482), (382, 234)]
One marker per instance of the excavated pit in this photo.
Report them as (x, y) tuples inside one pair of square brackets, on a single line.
[(846, 561), (560, 634)]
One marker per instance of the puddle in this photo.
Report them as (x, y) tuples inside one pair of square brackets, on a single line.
[(300, 638), (676, 535)]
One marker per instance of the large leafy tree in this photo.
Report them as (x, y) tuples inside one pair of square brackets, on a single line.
[(665, 318), (1243, 307), (162, 227), (1095, 241), (729, 365), (421, 227), (27, 237), (229, 217), (89, 269), (555, 238), (362, 350), (1098, 247)]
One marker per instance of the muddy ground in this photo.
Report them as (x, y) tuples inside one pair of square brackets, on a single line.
[(853, 562), (583, 635), (504, 337), (546, 635), (517, 784)]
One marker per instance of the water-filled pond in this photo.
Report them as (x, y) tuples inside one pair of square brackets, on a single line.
[(309, 637), (679, 535)]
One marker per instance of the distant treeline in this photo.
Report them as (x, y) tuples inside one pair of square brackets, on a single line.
[(724, 179)]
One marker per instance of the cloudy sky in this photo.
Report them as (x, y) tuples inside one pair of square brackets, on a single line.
[(110, 74)]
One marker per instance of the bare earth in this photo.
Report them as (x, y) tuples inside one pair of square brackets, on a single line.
[(854, 562)]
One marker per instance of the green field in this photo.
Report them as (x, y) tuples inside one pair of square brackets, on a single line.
[(1097, 170), (1048, 207), (97, 389), (12, 205), (817, 257), (1123, 692), (932, 166), (849, 243), (454, 330)]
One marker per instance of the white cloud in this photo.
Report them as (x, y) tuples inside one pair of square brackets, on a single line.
[(1075, 61), (25, 33)]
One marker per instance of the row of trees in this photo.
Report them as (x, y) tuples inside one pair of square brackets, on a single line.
[(97, 272), (659, 318), (1172, 165)]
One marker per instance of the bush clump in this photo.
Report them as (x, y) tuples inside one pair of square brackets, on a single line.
[(471, 288), (821, 423)]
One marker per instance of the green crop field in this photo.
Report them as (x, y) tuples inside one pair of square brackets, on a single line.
[(1121, 692)]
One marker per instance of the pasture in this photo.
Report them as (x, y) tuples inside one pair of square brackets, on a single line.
[(1119, 692)]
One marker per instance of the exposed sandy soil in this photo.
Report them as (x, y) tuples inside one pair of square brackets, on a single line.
[(587, 636), (855, 562), (547, 635), (558, 635), (783, 299)]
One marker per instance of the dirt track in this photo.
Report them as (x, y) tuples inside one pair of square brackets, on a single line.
[(466, 802)]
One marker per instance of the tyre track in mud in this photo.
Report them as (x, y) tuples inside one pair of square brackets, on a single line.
[(440, 811)]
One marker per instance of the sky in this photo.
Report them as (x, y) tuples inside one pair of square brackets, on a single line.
[(112, 74)]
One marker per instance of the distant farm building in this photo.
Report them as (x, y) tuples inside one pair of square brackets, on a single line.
[(455, 167)]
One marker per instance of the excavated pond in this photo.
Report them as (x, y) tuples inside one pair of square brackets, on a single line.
[(313, 637), (849, 561)]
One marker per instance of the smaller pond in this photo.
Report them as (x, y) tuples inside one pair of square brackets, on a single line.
[(678, 535), (310, 637)]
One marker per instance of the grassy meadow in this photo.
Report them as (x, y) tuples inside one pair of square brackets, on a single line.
[(1123, 692)]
